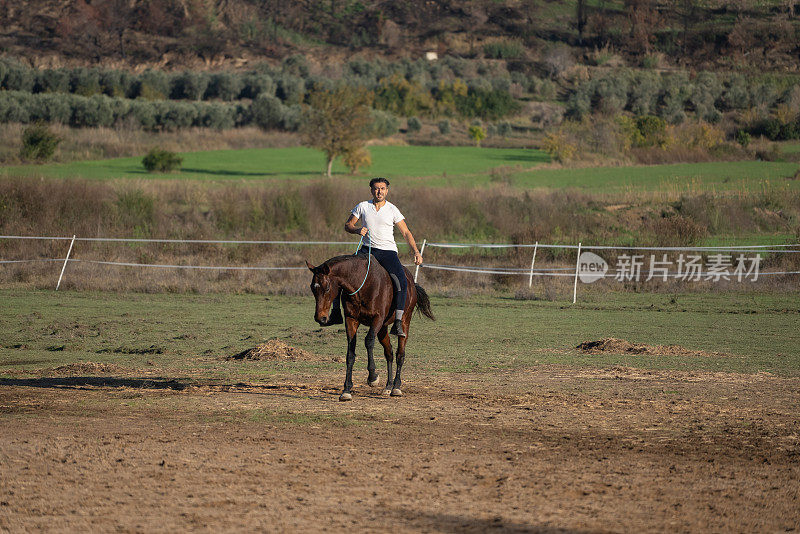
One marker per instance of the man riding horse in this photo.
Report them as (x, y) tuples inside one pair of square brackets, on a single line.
[(378, 218)]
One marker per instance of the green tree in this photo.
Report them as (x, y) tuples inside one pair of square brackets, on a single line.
[(336, 122), (477, 134)]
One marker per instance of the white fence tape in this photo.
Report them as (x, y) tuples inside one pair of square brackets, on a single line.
[(530, 272), (208, 267), (732, 248), (571, 273)]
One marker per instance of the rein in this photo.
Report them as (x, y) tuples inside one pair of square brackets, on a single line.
[(369, 261)]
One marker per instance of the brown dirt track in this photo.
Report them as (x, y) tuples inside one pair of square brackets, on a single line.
[(547, 449)]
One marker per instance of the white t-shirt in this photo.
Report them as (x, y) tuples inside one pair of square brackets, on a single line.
[(380, 223)]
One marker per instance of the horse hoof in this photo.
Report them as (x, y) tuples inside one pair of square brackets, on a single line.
[(387, 392), (397, 393), (374, 382), (345, 397)]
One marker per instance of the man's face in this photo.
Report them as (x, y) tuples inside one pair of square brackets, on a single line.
[(379, 191)]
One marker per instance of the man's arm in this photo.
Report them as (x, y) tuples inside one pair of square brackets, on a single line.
[(351, 228), (401, 225)]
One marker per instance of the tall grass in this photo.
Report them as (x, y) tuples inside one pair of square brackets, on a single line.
[(317, 211), (101, 143)]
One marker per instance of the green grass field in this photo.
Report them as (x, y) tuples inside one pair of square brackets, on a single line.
[(189, 335), (298, 162), (441, 166)]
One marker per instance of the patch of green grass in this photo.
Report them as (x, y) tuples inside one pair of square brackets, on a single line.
[(440, 166), (790, 147), (296, 163), (756, 332)]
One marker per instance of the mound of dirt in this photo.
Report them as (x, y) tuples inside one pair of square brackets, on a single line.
[(274, 349), (86, 368), (620, 346)]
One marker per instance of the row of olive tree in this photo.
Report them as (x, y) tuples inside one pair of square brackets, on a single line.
[(671, 96), (404, 88), (267, 112)]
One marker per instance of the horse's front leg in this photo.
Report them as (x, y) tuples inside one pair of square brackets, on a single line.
[(383, 337), (351, 327), (401, 357), (369, 344)]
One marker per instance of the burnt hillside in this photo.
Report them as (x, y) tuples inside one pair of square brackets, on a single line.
[(231, 33)]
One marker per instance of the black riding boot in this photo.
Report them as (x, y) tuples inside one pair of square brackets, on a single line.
[(397, 328)]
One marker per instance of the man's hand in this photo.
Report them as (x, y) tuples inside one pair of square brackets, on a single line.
[(363, 231), (417, 258)]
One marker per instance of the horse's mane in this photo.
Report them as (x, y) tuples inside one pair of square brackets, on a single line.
[(339, 259)]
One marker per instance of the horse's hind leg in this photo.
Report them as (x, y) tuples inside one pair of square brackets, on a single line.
[(351, 327), (401, 356), (383, 337), (369, 344)]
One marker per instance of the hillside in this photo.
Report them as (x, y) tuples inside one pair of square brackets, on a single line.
[(172, 34)]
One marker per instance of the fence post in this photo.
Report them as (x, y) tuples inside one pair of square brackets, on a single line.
[(421, 250), (577, 268), (71, 243), (533, 261)]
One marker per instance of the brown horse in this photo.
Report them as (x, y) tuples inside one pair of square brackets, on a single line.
[(367, 295)]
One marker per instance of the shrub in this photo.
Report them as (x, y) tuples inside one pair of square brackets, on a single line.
[(580, 103), (764, 95), (256, 84), (152, 85), (19, 78), (444, 127), (115, 83), (652, 131), (503, 128), (705, 92), (158, 160), (402, 97), (612, 94), (736, 94), (290, 89), (384, 124), (91, 112), (268, 112), (743, 138), (293, 118), (644, 93), (51, 107), (558, 146), (52, 81), (225, 86), (12, 108), (506, 49), (144, 113), (674, 93), (84, 82), (189, 85), (413, 125), (357, 158), (38, 143), (173, 116), (217, 116), (477, 134)]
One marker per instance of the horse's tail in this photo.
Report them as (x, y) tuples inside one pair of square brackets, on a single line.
[(424, 302)]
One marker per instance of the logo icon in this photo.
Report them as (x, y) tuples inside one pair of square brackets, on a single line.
[(591, 267)]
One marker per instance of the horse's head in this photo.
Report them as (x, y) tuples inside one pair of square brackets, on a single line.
[(324, 289)]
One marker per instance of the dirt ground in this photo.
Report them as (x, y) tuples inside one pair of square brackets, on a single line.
[(547, 449)]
